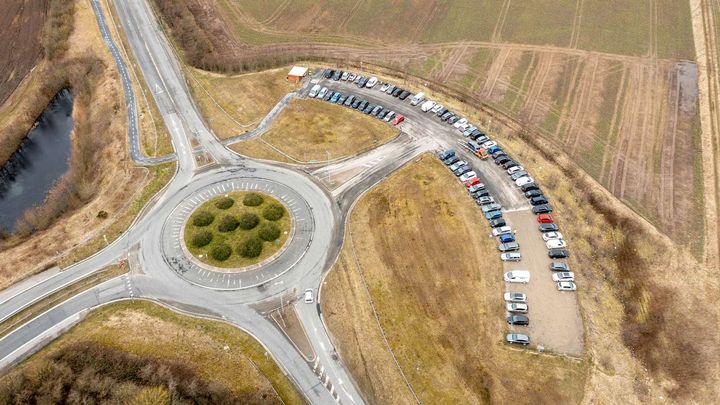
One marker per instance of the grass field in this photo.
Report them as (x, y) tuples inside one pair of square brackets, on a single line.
[(438, 306), (236, 235), (217, 352), (315, 130)]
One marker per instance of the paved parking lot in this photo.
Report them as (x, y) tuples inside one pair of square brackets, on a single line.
[(555, 321)]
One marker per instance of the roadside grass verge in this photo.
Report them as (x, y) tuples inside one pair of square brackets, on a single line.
[(314, 130), (66, 293), (420, 245), (217, 352)]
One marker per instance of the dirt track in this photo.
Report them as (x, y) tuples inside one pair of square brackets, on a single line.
[(21, 26)]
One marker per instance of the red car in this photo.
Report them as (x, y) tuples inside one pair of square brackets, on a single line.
[(545, 219), (472, 182), (398, 119)]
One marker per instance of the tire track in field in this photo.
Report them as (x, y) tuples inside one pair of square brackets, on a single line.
[(456, 56), (494, 73), (538, 84), (277, 13), (580, 105), (531, 68), (667, 162), (350, 15), (577, 20), (566, 106), (614, 122), (500, 23)]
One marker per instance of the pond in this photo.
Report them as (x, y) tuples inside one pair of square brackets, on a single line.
[(40, 161)]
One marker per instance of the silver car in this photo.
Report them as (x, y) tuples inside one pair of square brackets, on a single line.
[(511, 257), (518, 338)]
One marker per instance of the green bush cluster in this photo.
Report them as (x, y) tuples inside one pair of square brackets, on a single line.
[(228, 224), (248, 221), (253, 200), (202, 238), (203, 218), (273, 212), (224, 203), (269, 232), (251, 247), (221, 252)]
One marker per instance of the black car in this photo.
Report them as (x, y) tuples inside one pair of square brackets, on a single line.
[(496, 223), (453, 119), (542, 209), (369, 108), (328, 95), (397, 92), (356, 103), (404, 95), (497, 154), (530, 186), (329, 73), (441, 112), (510, 163), (447, 116), (383, 113), (559, 266), (533, 193), (474, 134), (462, 170), (362, 82), (375, 111), (520, 320), (362, 105), (538, 200), (337, 75), (549, 228), (502, 159), (349, 100), (480, 193), (558, 253), (451, 160)]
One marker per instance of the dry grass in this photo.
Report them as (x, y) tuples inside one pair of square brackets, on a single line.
[(259, 149), (233, 105), (217, 351), (286, 318), (315, 130), (435, 280)]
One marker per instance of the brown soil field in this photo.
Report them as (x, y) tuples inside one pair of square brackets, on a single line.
[(435, 309), (439, 309), (21, 28), (320, 131), (98, 110), (217, 353), (616, 93)]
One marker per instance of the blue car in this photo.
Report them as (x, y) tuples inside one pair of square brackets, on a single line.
[(493, 215), (505, 238), (335, 97)]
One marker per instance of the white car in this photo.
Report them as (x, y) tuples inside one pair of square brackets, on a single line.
[(510, 257), (563, 276), (345, 76), (515, 297), (514, 169), (518, 276), (468, 176), (426, 106), (309, 296), (323, 92), (389, 116), (501, 230), (384, 87), (314, 91), (489, 144), (437, 108), (372, 82), (460, 122), (566, 286), (556, 244), (551, 235), (524, 180), (457, 165), (516, 307)]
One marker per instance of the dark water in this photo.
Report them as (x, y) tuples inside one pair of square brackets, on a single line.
[(42, 159)]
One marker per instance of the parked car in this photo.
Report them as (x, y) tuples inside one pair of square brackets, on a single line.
[(328, 73), (357, 79), (398, 119), (518, 338), (489, 144), (462, 170), (371, 82), (397, 91), (566, 286), (460, 123), (542, 209), (390, 89), (549, 227), (511, 257), (345, 76), (389, 116), (510, 163), (512, 296), (442, 112), (496, 223), (322, 92), (351, 77), (404, 95), (558, 253), (506, 238), (509, 247), (457, 165), (514, 169), (476, 187), (518, 175), (368, 108), (493, 215), (545, 219), (427, 106), (529, 187), (356, 103), (314, 91), (453, 119), (485, 200), (469, 175), (446, 115), (349, 100), (518, 320), (451, 161), (479, 193), (501, 231), (516, 307), (502, 159), (533, 193), (417, 99), (517, 276), (556, 244), (551, 235), (559, 266), (474, 181), (309, 296), (563, 276), (381, 115), (337, 75), (491, 207), (522, 181), (375, 111), (328, 95), (362, 82), (384, 87), (436, 108)]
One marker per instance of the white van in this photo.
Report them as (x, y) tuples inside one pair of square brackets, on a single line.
[(426, 106), (314, 91), (372, 82), (517, 276), (418, 98)]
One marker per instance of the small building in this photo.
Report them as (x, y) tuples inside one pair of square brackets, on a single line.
[(297, 73)]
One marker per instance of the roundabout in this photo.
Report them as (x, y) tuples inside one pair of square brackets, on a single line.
[(290, 249)]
